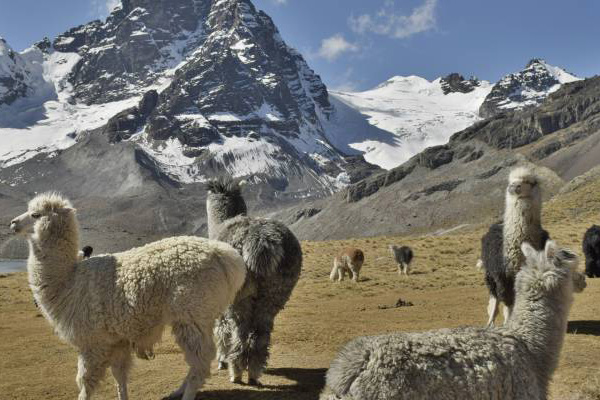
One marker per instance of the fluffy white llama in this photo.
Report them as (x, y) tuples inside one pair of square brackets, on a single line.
[(108, 305), (501, 246), (512, 362), (348, 261)]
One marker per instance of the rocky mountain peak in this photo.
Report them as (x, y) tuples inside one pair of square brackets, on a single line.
[(455, 82), (227, 93), (535, 61), (526, 88)]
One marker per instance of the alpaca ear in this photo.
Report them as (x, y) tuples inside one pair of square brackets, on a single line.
[(528, 250), (567, 257), (550, 250), (66, 211), (578, 282)]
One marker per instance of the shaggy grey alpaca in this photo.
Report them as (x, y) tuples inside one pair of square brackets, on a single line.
[(501, 246), (403, 257), (273, 260), (513, 362), (350, 261)]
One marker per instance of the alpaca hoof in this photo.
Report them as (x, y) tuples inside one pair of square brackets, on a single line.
[(146, 355), (254, 382), (222, 365), (237, 380)]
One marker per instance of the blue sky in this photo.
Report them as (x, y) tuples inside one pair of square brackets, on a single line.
[(356, 44)]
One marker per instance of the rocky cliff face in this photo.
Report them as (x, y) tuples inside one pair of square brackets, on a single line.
[(455, 82), (21, 74), (133, 48), (526, 88), (14, 75)]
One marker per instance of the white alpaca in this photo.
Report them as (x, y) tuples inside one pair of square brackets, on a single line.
[(109, 305), (513, 362), (348, 261)]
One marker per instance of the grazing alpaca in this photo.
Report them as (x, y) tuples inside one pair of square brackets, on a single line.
[(403, 257), (273, 260), (512, 362), (349, 261), (591, 249), (500, 246), (109, 305)]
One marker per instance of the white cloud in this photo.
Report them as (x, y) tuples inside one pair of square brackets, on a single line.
[(387, 22), (111, 4), (101, 8), (333, 47), (280, 2), (346, 82)]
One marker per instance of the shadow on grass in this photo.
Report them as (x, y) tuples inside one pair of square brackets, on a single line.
[(584, 328), (309, 383)]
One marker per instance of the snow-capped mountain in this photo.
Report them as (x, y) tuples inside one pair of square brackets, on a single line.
[(204, 87), (207, 87), (416, 112), (525, 88)]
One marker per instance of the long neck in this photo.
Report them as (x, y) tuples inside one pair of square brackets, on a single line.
[(214, 221), (219, 211), (522, 223), (542, 325), (51, 264)]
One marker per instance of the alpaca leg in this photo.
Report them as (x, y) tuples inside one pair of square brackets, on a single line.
[(400, 268), (120, 364), (506, 311), (239, 323), (407, 268), (199, 349), (353, 271), (334, 272), (342, 273), (236, 369), (492, 310), (258, 349), (90, 370), (222, 334)]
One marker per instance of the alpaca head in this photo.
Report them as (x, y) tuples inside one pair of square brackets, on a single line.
[(48, 214), (549, 274), (523, 183), (224, 200)]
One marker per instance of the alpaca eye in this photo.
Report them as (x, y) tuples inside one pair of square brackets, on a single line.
[(36, 215)]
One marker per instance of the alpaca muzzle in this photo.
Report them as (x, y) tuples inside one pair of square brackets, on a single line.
[(14, 226), (515, 189)]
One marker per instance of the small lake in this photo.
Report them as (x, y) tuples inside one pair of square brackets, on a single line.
[(9, 266)]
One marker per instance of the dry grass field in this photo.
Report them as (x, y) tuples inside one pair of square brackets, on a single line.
[(446, 291)]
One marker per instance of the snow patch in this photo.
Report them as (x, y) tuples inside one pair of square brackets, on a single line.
[(408, 113)]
